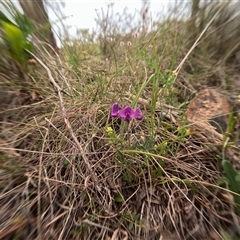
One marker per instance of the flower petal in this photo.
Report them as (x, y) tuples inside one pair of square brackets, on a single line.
[(126, 113), (138, 115), (114, 110)]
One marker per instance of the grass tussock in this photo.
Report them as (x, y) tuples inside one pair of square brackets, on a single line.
[(68, 170)]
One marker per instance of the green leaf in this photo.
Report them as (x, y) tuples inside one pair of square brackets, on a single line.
[(237, 178), (232, 177), (230, 174), (15, 39), (118, 198)]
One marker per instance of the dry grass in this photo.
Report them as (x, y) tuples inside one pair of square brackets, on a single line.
[(50, 185), (63, 176)]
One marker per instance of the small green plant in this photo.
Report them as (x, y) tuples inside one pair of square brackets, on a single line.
[(233, 182)]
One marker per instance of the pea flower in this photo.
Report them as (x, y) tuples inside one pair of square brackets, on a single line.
[(126, 113)]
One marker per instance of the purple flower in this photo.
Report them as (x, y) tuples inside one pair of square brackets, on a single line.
[(126, 113)]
